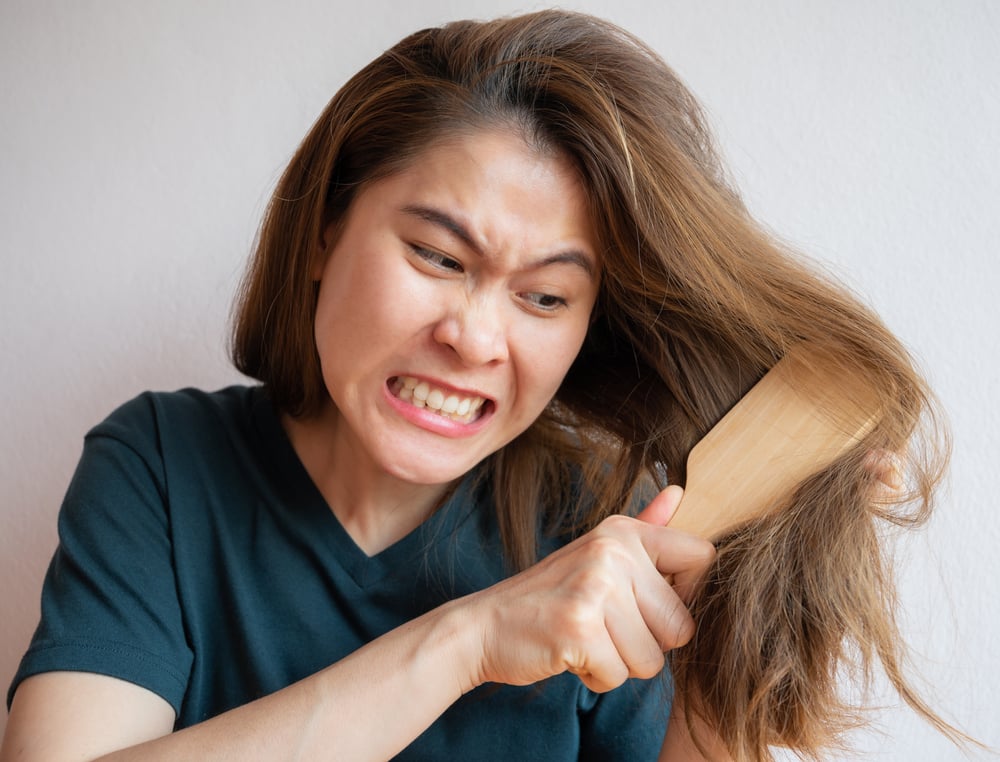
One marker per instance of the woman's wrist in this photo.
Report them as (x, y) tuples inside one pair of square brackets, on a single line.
[(460, 633)]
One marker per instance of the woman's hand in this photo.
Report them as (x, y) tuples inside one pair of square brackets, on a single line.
[(601, 607)]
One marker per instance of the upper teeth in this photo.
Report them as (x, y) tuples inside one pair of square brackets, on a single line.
[(421, 394)]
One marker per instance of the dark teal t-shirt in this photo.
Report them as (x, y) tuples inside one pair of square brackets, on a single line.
[(196, 558)]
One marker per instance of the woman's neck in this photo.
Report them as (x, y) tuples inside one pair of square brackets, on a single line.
[(374, 507)]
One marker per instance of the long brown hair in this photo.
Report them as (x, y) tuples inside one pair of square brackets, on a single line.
[(697, 301)]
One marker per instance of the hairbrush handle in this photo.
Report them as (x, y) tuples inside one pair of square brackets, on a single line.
[(797, 420)]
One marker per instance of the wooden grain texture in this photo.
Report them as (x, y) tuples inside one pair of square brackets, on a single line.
[(798, 419)]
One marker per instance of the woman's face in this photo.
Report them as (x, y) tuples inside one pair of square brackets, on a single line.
[(453, 298)]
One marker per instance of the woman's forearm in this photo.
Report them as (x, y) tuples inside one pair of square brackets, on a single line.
[(368, 706)]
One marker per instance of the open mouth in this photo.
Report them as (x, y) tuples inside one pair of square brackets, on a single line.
[(445, 403)]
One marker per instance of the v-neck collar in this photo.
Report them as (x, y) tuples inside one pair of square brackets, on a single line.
[(315, 518)]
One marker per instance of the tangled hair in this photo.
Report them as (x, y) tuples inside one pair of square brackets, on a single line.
[(697, 301)]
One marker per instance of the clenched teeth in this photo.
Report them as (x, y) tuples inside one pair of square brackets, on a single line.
[(448, 404)]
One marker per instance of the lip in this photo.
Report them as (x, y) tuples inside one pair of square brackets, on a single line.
[(433, 422)]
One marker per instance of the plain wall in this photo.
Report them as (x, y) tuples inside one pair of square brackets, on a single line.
[(139, 141)]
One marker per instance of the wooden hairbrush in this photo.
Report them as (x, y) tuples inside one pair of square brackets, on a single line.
[(798, 419)]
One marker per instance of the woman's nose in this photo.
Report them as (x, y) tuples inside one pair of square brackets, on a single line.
[(474, 329)]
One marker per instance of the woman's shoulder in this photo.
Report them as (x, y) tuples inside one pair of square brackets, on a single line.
[(164, 431), (188, 409)]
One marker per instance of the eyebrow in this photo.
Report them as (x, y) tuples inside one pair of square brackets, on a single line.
[(459, 231)]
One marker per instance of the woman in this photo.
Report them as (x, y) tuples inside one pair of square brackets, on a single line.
[(499, 293)]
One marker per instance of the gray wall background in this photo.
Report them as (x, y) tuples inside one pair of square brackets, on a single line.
[(139, 141)]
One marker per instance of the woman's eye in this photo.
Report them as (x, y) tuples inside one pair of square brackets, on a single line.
[(544, 302), (437, 259)]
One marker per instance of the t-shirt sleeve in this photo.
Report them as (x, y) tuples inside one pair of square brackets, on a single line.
[(109, 601), (628, 723)]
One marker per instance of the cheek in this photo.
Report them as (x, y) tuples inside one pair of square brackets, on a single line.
[(360, 302), (548, 360)]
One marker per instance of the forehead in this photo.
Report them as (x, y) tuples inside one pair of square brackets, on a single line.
[(485, 149), (493, 182)]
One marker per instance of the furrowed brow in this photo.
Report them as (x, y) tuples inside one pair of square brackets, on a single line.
[(454, 227), (446, 221)]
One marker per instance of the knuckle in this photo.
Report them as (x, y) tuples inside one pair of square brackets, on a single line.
[(707, 553), (577, 622), (606, 550), (601, 573), (615, 522), (578, 618), (698, 556), (604, 545), (650, 667), (683, 627)]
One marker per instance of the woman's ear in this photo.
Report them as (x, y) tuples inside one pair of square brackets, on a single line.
[(324, 247)]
